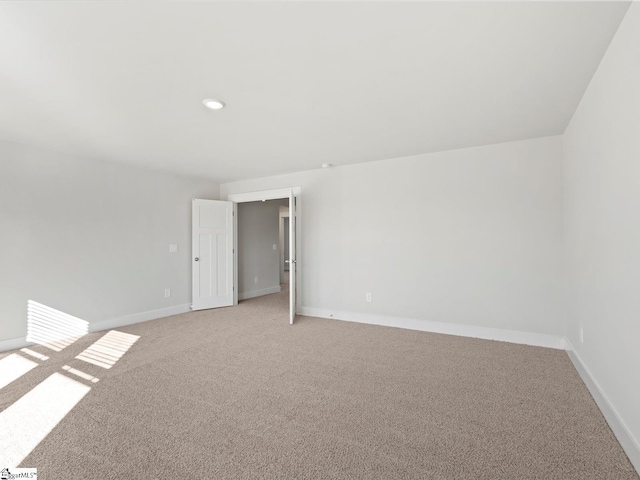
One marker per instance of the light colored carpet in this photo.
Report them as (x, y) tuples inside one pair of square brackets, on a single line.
[(237, 393)]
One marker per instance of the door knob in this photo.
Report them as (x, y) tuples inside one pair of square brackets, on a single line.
[(196, 259)]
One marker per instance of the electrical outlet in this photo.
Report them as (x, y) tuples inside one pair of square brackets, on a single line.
[(581, 335), (275, 246), (255, 280), (167, 292), (173, 248), (368, 297)]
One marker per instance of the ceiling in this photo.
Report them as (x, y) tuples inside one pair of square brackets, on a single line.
[(304, 82)]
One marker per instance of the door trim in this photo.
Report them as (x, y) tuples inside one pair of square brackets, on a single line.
[(276, 194)]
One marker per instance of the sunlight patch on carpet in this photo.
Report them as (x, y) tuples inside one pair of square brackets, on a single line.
[(109, 349), (30, 419), (13, 367), (80, 373), (37, 355)]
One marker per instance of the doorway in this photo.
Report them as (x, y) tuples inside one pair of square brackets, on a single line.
[(284, 243), (260, 248), (294, 222)]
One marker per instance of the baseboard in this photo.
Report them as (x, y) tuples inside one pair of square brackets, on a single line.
[(138, 317), (487, 333), (259, 293), (16, 343), (629, 443)]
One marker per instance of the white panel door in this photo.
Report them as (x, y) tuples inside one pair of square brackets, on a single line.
[(212, 254), (292, 257)]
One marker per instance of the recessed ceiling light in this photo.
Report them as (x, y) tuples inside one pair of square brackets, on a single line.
[(213, 104), (326, 165)]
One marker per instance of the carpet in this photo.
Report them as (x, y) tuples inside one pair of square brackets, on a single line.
[(238, 393)]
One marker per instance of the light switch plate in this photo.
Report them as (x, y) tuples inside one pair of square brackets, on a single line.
[(173, 248)]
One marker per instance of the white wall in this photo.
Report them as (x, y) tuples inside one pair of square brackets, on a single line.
[(602, 185), (284, 240), (90, 238), (258, 231), (470, 237)]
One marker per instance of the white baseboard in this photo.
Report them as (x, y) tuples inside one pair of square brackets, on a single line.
[(259, 293), (138, 317), (16, 343), (629, 443), (487, 333)]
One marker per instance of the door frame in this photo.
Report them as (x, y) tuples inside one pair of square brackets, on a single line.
[(276, 194)]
